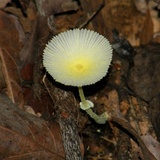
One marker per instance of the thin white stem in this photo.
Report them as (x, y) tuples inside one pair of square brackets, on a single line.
[(81, 94)]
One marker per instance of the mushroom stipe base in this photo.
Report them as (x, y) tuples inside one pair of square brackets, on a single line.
[(86, 105)]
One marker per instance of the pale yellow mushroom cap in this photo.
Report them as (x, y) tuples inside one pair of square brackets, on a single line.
[(77, 57)]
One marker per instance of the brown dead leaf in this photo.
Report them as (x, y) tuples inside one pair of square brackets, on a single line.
[(143, 78), (124, 107), (141, 5), (11, 34), (3, 3), (24, 136), (158, 1), (12, 79), (26, 22), (123, 16), (146, 34), (139, 117), (92, 14), (113, 103), (152, 145), (56, 6), (154, 112), (11, 40)]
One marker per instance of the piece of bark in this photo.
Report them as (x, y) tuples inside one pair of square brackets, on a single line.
[(70, 138), (67, 113)]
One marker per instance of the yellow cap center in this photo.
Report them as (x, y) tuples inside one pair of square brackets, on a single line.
[(79, 67)]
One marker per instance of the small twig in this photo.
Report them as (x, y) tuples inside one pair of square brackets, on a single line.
[(90, 17), (111, 141)]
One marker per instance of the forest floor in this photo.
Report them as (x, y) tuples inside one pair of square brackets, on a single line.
[(39, 116)]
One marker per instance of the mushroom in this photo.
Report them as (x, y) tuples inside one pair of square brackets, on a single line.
[(79, 57)]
